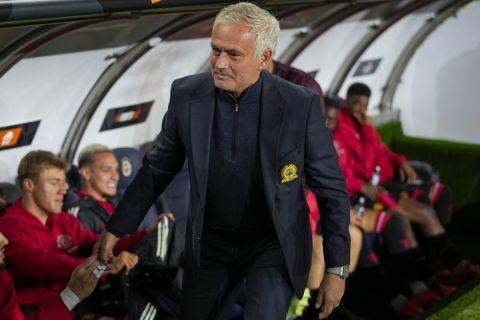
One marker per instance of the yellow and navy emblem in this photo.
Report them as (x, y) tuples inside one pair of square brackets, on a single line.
[(289, 172)]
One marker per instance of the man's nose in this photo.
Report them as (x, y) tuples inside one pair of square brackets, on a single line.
[(222, 61)]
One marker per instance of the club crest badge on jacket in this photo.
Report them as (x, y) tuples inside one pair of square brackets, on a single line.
[(289, 172)]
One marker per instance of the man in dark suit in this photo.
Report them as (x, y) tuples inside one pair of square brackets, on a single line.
[(250, 138)]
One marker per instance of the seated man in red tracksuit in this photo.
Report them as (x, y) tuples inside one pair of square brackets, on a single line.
[(81, 284), (46, 244), (360, 145)]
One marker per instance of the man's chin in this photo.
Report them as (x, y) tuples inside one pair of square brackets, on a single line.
[(221, 84), (3, 265)]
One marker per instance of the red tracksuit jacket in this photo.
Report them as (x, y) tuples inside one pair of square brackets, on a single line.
[(362, 150), (41, 257), (10, 310)]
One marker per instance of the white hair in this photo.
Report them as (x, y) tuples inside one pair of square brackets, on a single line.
[(261, 24)]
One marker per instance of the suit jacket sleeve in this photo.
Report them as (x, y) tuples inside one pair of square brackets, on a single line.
[(160, 165), (326, 181)]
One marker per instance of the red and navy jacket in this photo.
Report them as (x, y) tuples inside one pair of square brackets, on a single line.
[(41, 257), (360, 150), (10, 310)]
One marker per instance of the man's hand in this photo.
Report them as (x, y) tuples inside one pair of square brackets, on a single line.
[(371, 191), (329, 295), (406, 171), (155, 222), (362, 118), (125, 260), (103, 249), (3, 241), (83, 281)]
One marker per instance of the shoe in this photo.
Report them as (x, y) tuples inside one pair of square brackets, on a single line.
[(410, 311), (463, 273), (426, 299), (441, 289)]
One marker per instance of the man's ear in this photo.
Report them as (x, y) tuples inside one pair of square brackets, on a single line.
[(85, 173), (28, 185), (265, 59)]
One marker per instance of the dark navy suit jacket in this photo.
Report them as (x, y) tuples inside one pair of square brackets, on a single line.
[(291, 132)]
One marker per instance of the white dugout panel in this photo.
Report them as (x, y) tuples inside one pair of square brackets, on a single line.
[(50, 89), (387, 47), (327, 53), (438, 94), (286, 37), (148, 79)]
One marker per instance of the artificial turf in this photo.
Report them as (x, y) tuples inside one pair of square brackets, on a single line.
[(467, 307)]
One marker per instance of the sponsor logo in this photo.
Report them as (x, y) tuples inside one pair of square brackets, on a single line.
[(9, 137)]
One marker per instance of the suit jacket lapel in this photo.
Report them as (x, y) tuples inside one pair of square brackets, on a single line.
[(272, 118), (202, 107)]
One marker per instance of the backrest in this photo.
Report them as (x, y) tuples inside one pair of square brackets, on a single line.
[(9, 192), (129, 161)]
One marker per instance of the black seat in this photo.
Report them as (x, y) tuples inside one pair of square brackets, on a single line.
[(9, 192)]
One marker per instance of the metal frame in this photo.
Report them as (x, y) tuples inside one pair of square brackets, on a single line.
[(408, 52), (106, 81), (360, 48)]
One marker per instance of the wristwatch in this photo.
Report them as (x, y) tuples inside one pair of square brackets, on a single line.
[(342, 272)]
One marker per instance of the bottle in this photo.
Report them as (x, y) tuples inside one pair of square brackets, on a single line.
[(360, 207), (375, 180)]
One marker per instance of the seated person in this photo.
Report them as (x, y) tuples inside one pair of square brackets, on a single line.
[(46, 244), (81, 284), (296, 76), (362, 153), (94, 202)]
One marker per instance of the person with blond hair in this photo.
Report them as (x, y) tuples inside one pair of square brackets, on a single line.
[(45, 243)]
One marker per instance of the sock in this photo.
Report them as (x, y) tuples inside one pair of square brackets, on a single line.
[(442, 249), (393, 233), (368, 258)]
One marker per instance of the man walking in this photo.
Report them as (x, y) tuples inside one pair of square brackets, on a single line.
[(250, 138)]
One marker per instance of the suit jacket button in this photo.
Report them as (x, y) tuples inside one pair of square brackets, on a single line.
[(198, 238)]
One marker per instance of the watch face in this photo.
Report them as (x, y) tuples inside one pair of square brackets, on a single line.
[(345, 272)]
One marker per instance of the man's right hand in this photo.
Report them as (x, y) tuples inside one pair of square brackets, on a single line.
[(371, 191), (103, 249)]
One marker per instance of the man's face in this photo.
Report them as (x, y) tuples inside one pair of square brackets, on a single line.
[(357, 105), (331, 117), (101, 175), (48, 190), (3, 244), (233, 62)]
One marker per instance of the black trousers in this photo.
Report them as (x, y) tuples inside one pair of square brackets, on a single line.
[(227, 260)]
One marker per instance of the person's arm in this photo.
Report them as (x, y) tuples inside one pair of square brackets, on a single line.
[(9, 308), (81, 285), (325, 179), (33, 261), (160, 165), (353, 182)]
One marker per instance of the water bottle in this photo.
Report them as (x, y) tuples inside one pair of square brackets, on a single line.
[(360, 207), (375, 180)]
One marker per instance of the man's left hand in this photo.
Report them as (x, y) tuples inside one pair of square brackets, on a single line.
[(406, 171), (330, 293)]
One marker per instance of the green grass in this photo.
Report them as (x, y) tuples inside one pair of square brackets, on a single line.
[(466, 307)]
